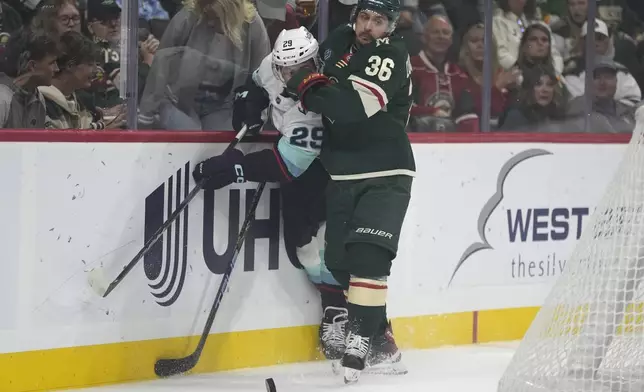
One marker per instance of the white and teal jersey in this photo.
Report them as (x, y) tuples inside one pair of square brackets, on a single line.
[(302, 132)]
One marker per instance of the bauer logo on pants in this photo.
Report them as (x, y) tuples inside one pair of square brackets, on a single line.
[(168, 261), (379, 233)]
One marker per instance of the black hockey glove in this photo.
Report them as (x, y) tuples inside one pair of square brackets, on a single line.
[(250, 102), (221, 170)]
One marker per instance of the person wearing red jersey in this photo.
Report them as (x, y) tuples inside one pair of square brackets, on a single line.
[(442, 99)]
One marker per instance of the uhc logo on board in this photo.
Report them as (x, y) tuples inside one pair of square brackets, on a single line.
[(166, 264)]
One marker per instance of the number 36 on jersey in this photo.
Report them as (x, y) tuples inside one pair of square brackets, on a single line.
[(382, 67)]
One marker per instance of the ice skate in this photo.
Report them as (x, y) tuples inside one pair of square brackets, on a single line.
[(355, 357), (332, 332), (384, 356)]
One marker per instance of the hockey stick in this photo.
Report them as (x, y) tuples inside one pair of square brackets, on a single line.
[(159, 233), (173, 366)]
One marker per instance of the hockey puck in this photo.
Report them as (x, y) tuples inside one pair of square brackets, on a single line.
[(270, 385)]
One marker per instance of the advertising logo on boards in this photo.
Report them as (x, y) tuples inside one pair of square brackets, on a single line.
[(167, 263), (526, 229)]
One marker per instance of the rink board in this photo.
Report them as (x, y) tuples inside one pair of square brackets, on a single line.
[(490, 224)]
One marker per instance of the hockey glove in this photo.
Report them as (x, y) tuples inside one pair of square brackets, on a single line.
[(303, 80), (221, 170), (250, 102)]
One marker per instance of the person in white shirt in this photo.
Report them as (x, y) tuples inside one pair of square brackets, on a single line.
[(628, 91), (509, 23)]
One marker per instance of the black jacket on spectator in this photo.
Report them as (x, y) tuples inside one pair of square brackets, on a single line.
[(10, 21), (23, 9), (411, 38), (626, 54)]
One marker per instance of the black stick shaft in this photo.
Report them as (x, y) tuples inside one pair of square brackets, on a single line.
[(173, 366), (159, 233)]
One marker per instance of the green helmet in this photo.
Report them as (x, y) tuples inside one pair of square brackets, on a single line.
[(389, 8)]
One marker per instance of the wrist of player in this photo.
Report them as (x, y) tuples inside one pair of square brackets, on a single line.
[(221, 170), (266, 166)]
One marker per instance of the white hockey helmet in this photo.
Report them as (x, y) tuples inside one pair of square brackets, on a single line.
[(293, 48)]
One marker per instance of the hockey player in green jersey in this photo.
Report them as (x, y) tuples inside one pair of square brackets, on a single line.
[(364, 96)]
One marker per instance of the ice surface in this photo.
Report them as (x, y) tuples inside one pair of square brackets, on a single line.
[(451, 369)]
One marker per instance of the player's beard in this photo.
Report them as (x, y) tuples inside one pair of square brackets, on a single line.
[(365, 38)]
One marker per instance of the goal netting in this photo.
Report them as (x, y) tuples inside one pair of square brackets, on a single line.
[(589, 334)]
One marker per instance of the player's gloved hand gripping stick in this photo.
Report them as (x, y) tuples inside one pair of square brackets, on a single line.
[(95, 281)]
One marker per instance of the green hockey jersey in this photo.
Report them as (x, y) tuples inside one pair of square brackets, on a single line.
[(365, 111)]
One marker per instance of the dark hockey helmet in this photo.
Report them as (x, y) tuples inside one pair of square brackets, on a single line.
[(388, 8)]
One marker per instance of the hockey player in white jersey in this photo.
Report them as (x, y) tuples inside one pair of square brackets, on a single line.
[(293, 162)]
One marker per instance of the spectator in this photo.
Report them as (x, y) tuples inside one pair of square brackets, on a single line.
[(405, 28), (172, 7), (510, 21), (535, 49), (619, 17), (209, 49), (540, 105), (57, 17), (104, 23), (10, 22), (441, 99), (298, 13), (151, 9), (637, 8), (104, 28), (609, 113), (471, 55), (567, 30), (575, 75), (305, 12), (458, 11), (623, 24), (77, 67), (25, 9), (340, 12), (148, 46), (29, 62)]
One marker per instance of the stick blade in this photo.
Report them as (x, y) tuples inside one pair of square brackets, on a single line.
[(168, 367), (97, 281)]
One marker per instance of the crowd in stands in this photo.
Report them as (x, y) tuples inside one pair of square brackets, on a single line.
[(539, 67), (60, 62)]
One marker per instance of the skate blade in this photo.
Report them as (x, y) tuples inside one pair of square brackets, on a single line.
[(336, 367), (351, 376), (389, 369), (382, 369), (393, 367)]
